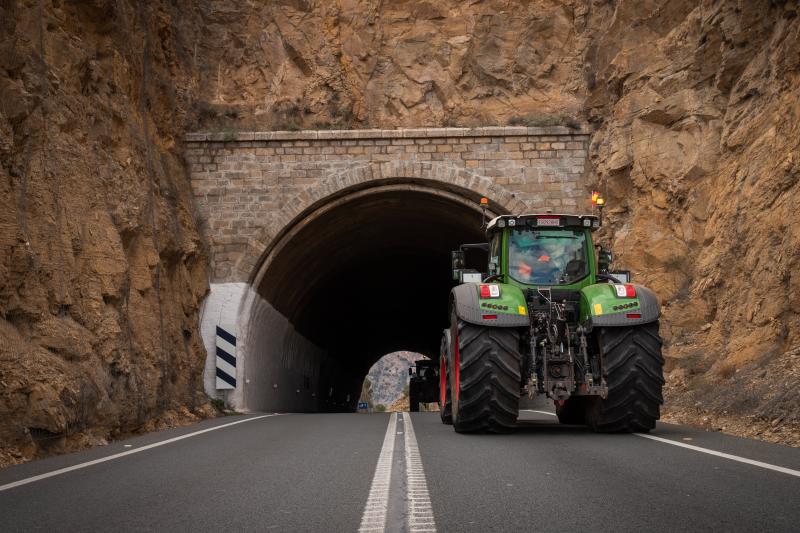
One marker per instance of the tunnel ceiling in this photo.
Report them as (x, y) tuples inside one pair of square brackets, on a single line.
[(372, 275)]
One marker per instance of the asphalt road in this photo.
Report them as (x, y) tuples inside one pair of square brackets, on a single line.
[(303, 472)]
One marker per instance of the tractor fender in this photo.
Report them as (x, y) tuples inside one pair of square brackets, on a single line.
[(601, 299), (466, 302)]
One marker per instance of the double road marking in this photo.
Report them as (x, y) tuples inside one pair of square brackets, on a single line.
[(413, 499)]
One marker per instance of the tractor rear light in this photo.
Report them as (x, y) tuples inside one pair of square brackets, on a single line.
[(490, 291), (489, 317), (634, 315), (625, 291)]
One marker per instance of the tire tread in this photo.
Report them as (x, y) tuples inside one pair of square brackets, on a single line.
[(490, 378), (634, 370)]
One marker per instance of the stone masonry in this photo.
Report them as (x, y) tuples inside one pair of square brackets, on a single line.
[(249, 187)]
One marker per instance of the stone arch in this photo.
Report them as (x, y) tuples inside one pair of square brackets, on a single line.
[(442, 176)]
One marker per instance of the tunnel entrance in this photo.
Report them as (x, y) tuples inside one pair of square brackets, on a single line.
[(366, 274)]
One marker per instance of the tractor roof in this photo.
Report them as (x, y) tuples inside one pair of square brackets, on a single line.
[(544, 221)]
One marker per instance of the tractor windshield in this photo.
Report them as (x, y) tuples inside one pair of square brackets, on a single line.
[(547, 257)]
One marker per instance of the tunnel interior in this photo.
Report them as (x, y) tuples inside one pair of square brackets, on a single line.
[(367, 276)]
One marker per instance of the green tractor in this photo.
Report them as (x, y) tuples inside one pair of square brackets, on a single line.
[(549, 318)]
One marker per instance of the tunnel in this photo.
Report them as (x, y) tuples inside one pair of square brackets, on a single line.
[(361, 275)]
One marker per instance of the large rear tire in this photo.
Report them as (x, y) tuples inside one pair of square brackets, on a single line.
[(635, 377), (485, 378), (445, 398)]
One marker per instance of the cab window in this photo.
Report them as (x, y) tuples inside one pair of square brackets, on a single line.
[(547, 257)]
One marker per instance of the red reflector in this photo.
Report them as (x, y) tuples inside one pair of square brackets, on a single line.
[(633, 315), (630, 291), (490, 291), (490, 317)]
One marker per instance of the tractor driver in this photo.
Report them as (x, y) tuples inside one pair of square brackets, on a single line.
[(531, 259)]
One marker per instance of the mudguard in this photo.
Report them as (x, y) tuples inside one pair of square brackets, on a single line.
[(601, 307), (510, 308)]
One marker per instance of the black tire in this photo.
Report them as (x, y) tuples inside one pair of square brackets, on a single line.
[(485, 381), (445, 399), (413, 398), (635, 377), (573, 411)]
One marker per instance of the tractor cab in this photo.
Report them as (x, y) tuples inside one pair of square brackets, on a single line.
[(537, 250), (542, 250)]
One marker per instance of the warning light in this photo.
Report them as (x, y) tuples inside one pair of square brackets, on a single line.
[(601, 202), (484, 205), (595, 196)]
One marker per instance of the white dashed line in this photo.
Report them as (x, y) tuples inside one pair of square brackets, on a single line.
[(123, 454), (419, 510), (723, 455), (374, 516)]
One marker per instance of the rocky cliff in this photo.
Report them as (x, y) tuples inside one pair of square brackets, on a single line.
[(101, 267), (694, 106), (389, 377), (697, 146)]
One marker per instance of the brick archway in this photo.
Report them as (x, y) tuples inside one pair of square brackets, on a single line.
[(434, 177), (250, 186)]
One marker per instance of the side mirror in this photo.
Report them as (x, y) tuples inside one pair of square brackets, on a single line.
[(457, 262), (604, 259), (624, 276), (411, 371)]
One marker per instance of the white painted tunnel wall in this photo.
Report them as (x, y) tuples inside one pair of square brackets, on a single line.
[(269, 352)]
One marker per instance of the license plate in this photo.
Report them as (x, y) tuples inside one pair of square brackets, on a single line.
[(548, 222)]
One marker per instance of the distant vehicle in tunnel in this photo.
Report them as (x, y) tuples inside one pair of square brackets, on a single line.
[(423, 383), (548, 317)]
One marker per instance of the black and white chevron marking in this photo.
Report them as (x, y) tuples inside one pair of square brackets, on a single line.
[(226, 358)]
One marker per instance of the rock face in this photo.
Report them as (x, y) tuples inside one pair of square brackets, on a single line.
[(355, 63), (389, 377), (695, 108), (101, 268)]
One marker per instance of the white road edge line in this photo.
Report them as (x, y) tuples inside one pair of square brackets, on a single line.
[(123, 454), (374, 516), (419, 510), (723, 455), (744, 460)]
